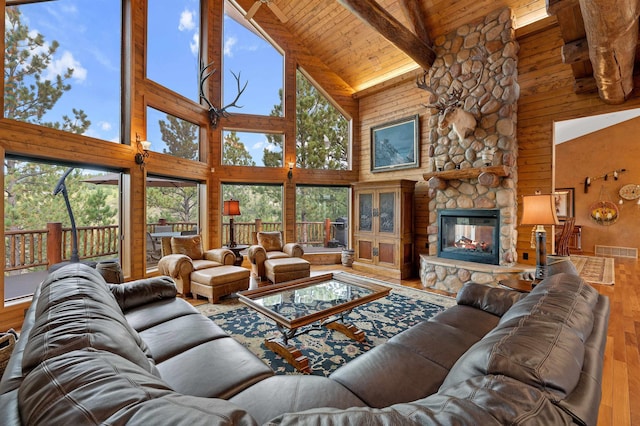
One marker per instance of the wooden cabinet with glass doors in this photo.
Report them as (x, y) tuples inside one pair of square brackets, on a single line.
[(383, 231)]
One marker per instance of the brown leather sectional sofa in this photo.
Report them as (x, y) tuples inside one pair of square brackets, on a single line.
[(93, 353)]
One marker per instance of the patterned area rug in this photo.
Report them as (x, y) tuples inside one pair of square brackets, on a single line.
[(595, 270), (328, 349)]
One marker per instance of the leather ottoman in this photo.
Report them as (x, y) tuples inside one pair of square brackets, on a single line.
[(286, 269), (213, 283)]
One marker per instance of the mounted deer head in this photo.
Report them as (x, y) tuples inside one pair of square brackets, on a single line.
[(216, 113), (449, 105)]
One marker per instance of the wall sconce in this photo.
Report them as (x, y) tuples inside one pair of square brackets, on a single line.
[(290, 174), (143, 151)]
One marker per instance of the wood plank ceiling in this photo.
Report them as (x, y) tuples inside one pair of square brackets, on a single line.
[(358, 53), (363, 57)]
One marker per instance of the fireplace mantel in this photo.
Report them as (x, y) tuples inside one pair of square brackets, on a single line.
[(492, 173)]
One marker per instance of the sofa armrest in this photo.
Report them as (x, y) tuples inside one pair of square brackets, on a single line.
[(256, 254), (494, 300), (175, 265), (293, 249), (140, 292), (220, 255)]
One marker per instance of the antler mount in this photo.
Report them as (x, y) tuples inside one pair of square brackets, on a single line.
[(216, 113)]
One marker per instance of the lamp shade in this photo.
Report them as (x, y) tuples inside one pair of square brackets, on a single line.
[(231, 208), (539, 210)]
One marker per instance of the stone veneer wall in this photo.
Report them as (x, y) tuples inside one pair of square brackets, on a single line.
[(494, 104)]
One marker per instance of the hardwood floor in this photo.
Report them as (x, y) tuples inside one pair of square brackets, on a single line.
[(620, 405)]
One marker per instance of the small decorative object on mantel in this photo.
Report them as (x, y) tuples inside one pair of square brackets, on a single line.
[(487, 156)]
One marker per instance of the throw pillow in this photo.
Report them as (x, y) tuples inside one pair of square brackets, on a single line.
[(189, 245), (271, 241)]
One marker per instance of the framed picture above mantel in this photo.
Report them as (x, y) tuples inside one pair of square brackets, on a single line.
[(396, 145)]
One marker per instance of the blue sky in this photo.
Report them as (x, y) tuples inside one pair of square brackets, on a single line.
[(89, 37)]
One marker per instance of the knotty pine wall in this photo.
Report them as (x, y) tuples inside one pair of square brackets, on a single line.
[(546, 95), (398, 99)]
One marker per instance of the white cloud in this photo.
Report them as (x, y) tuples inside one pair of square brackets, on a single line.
[(59, 67), (104, 125), (194, 46), (228, 45), (258, 145), (186, 21), (272, 148)]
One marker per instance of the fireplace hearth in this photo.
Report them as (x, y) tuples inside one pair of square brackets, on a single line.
[(472, 235)]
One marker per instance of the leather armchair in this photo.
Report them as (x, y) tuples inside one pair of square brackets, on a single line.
[(270, 246), (184, 254)]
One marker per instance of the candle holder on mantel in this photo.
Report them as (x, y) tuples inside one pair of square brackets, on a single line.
[(487, 156)]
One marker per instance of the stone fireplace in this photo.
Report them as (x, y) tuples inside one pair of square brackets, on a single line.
[(460, 177)]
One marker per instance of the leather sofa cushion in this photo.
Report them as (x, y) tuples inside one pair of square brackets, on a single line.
[(97, 387), (440, 343), (178, 335), (188, 245), (544, 354), (389, 374), (76, 310), (490, 299), (218, 368), (135, 293), (271, 241), (563, 298), (289, 393), (152, 314), (469, 319)]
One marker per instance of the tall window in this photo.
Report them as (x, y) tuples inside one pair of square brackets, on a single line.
[(172, 210), (172, 135), (248, 54), (259, 204), (251, 149), (322, 132), (37, 223), (62, 66), (173, 45), (322, 214)]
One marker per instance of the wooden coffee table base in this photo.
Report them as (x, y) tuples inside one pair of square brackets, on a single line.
[(290, 353), (293, 356), (349, 330)]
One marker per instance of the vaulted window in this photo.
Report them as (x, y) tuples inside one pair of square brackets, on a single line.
[(62, 66)]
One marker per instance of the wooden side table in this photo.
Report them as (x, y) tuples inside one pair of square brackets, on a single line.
[(523, 286), (236, 250)]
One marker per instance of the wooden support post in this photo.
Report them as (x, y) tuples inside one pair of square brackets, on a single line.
[(54, 243), (327, 232)]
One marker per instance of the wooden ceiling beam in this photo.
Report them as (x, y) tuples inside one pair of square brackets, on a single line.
[(415, 13), (612, 32), (553, 6), (370, 12), (575, 51)]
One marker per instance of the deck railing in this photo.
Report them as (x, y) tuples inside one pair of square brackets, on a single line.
[(31, 250)]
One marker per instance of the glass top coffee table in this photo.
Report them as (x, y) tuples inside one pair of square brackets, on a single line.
[(323, 300)]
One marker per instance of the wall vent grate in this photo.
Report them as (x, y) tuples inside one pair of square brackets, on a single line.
[(627, 252)]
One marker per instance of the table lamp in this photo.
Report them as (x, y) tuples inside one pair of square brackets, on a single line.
[(231, 208), (539, 210)]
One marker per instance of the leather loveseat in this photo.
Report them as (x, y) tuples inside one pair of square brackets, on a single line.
[(91, 353)]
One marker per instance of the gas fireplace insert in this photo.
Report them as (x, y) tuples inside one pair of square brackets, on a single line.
[(472, 235)]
